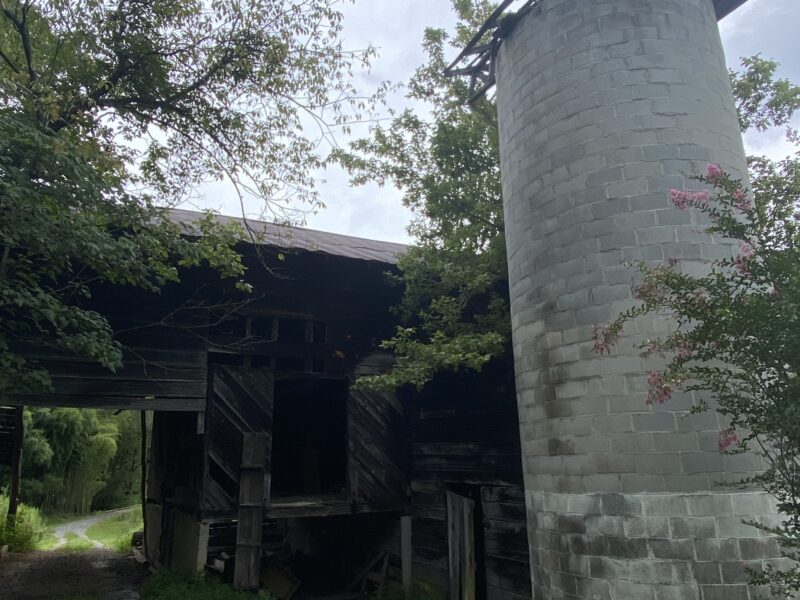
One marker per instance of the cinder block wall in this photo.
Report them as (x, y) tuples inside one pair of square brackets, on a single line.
[(605, 105)]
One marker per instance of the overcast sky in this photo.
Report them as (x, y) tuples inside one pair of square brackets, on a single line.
[(396, 27)]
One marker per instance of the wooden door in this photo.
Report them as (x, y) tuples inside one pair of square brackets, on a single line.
[(461, 546), (240, 401)]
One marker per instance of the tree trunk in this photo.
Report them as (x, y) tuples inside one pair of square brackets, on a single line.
[(16, 466)]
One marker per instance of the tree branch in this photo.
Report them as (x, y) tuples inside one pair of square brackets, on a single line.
[(21, 25), (26, 42), (9, 62)]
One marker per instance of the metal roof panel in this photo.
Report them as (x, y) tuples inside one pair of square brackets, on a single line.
[(291, 238)]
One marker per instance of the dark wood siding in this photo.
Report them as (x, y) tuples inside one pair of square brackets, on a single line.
[(375, 427), (464, 437), (164, 368), (239, 400)]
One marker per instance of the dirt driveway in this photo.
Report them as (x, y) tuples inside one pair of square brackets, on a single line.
[(97, 574)]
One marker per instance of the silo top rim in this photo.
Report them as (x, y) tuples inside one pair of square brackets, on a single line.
[(478, 58)]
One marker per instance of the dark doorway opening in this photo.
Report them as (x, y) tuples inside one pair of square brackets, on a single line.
[(309, 438)]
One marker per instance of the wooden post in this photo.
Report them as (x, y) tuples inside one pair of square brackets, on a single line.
[(16, 465), (468, 551), (252, 486), (405, 556)]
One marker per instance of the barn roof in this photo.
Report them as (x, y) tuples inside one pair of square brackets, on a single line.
[(299, 238)]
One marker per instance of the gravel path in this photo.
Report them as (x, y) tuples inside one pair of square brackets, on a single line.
[(79, 527)]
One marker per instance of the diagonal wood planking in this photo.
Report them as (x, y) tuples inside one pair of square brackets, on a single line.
[(240, 401)]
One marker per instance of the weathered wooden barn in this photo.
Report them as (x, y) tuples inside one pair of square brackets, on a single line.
[(266, 463)]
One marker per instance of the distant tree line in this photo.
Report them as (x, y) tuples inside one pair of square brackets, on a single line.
[(78, 460)]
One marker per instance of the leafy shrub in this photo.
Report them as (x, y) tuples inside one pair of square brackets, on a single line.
[(28, 529)]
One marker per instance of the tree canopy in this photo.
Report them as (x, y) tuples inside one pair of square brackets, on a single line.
[(454, 310), (445, 159), (110, 111)]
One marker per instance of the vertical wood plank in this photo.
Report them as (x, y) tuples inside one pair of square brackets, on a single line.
[(461, 546), (454, 545), (468, 550), (405, 556)]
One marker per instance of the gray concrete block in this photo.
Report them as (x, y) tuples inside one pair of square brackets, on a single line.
[(701, 462), (654, 421), (672, 549), (693, 527), (716, 549), (725, 592)]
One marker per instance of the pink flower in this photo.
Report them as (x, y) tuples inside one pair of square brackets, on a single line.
[(679, 198), (742, 262), (604, 337), (727, 438), (647, 290), (659, 390), (683, 350), (683, 199), (741, 201), (714, 172)]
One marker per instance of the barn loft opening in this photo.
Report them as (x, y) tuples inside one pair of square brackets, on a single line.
[(309, 444)]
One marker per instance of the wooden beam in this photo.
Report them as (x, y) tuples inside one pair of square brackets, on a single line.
[(193, 404)]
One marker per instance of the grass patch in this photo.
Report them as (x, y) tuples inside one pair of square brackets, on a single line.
[(421, 592), (48, 541), (75, 543), (115, 532), (172, 585)]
